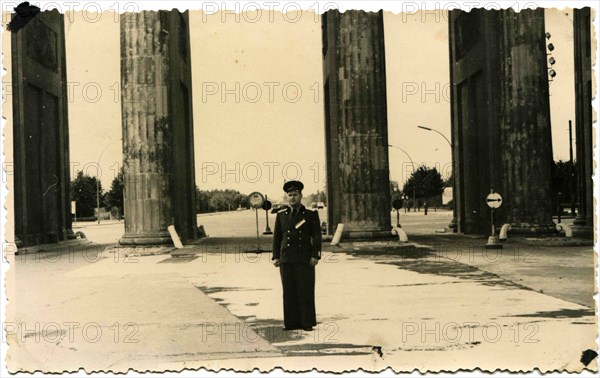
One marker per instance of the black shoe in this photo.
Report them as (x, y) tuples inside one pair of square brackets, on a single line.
[(308, 329)]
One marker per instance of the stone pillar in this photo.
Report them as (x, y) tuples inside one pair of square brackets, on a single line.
[(150, 115), (41, 191), (501, 119), (475, 85), (583, 120), (525, 137), (453, 225), (356, 123)]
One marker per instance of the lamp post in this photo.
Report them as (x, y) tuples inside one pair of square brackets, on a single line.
[(452, 224), (414, 170), (435, 131)]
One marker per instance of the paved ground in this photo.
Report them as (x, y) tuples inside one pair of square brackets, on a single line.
[(437, 303), (243, 223)]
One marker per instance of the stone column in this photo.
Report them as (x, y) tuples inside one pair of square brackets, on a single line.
[(146, 127), (584, 221), (525, 140), (356, 123), (40, 132)]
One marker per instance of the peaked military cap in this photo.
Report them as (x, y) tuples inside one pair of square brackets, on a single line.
[(293, 185)]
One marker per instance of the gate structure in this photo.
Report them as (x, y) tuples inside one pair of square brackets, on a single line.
[(500, 124)]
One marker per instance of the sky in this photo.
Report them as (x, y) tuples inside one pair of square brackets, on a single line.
[(257, 96)]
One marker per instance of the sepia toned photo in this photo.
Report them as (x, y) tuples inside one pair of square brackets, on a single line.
[(299, 187)]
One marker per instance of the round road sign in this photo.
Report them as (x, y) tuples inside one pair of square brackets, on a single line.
[(494, 200), (267, 205), (256, 200)]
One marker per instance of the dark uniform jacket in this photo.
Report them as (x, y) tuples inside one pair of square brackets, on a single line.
[(297, 238)]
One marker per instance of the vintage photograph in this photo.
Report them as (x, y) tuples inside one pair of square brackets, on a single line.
[(299, 187)]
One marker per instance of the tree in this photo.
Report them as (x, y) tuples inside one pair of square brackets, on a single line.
[(433, 184), (208, 201), (562, 183), (201, 201), (449, 182), (319, 196), (114, 197), (83, 191), (395, 192), (426, 182)]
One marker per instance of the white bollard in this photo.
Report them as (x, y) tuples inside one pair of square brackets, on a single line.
[(566, 228), (402, 235), (338, 234), (504, 231), (175, 237)]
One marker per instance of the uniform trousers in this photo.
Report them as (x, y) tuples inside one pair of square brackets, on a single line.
[(298, 281)]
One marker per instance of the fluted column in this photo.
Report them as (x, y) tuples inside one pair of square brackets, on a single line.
[(526, 143), (40, 144), (583, 120), (146, 127), (356, 123)]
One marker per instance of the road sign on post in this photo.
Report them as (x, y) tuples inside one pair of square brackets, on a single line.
[(266, 206), (397, 204), (74, 209), (257, 201), (494, 201)]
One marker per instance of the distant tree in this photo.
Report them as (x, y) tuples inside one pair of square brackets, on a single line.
[(114, 197), (208, 201), (433, 184), (83, 191), (449, 182), (395, 192), (241, 200), (561, 174), (427, 183), (319, 196), (201, 201)]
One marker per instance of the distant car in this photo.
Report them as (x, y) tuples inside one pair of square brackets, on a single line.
[(320, 205)]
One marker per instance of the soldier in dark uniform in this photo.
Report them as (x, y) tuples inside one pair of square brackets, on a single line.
[(296, 251)]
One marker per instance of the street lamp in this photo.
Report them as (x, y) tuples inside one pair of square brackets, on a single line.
[(435, 131), (414, 170), (452, 224)]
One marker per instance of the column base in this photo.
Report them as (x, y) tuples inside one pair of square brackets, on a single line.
[(453, 225), (583, 231), (155, 238), (533, 228), (70, 234), (368, 234)]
